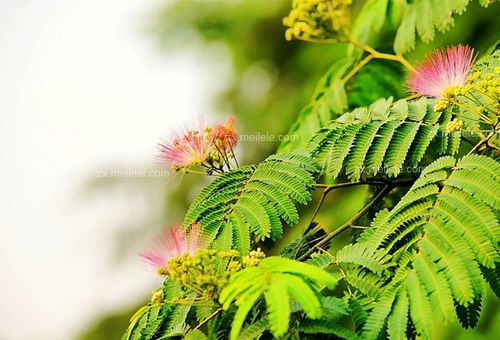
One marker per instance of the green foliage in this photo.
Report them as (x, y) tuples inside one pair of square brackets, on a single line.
[(438, 237), (424, 17), (254, 200), (280, 280), (410, 18), (431, 249), (254, 331), (159, 319), (378, 79), (329, 323), (149, 322), (383, 138), (330, 99), (195, 334)]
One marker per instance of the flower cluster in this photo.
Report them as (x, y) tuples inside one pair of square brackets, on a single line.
[(443, 75), (208, 146), (253, 258), (482, 91), (157, 297), (180, 256), (206, 272), (451, 78), (454, 125), (320, 19), (171, 244)]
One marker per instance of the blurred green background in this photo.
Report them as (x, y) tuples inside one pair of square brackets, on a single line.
[(270, 81)]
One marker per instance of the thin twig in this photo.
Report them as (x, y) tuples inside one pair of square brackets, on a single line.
[(358, 227), (234, 156), (316, 211), (370, 181), (378, 55), (358, 67), (413, 96), (492, 146), (196, 172), (211, 316), (330, 187), (481, 142), (348, 224), (340, 268), (224, 156)]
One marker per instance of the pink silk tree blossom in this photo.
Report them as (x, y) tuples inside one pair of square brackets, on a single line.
[(441, 70), (171, 244), (226, 134), (189, 147)]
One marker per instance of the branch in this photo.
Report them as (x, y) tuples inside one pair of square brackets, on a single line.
[(350, 223), (210, 317), (349, 184), (330, 187), (481, 142)]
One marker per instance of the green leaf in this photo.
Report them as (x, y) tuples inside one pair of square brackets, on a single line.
[(195, 334), (326, 327), (423, 17), (420, 308), (278, 305), (280, 280), (469, 316), (385, 138), (441, 242), (398, 320), (253, 201), (254, 331)]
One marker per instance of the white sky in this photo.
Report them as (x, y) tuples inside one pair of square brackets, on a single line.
[(82, 87)]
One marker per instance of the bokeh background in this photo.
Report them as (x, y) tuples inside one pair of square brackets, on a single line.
[(87, 90)]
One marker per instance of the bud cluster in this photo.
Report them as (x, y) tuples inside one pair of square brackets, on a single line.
[(209, 270), (320, 19)]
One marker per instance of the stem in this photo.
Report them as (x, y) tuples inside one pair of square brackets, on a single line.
[(351, 221), (481, 142), (374, 53), (378, 55), (413, 96), (330, 187), (358, 67), (234, 156), (349, 184), (492, 146), (188, 302), (316, 211), (224, 156), (196, 172), (358, 227), (210, 317)]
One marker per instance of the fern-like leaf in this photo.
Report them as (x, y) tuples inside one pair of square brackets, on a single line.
[(442, 238), (383, 138), (469, 316), (423, 17), (253, 200), (280, 281)]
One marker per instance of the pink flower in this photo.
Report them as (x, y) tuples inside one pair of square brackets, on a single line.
[(191, 147), (171, 244), (442, 70), (226, 135)]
